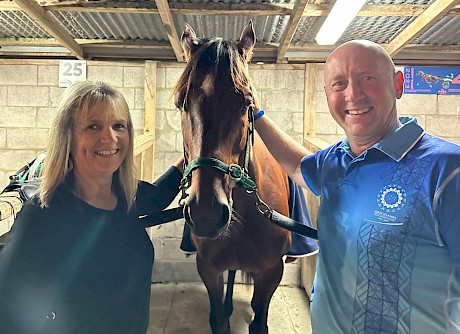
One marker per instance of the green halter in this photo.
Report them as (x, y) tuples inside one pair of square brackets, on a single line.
[(240, 174)]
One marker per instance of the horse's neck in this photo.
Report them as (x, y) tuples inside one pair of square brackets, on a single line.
[(262, 164)]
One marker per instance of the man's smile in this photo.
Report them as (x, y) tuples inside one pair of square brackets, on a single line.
[(358, 111)]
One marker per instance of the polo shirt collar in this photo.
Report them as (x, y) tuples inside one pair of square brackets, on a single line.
[(397, 144)]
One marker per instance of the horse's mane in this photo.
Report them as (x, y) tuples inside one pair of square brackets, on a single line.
[(216, 56)]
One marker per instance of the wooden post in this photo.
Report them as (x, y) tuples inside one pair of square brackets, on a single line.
[(150, 89), (311, 73), (308, 264)]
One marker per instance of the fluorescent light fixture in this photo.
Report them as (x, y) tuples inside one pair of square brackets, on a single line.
[(343, 12)]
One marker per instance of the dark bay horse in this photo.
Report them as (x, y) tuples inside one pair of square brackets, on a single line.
[(229, 170)]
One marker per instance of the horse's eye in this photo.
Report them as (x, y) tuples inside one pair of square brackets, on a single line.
[(244, 109), (181, 106), (179, 102)]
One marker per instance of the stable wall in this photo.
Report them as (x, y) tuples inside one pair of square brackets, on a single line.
[(291, 94), (437, 114)]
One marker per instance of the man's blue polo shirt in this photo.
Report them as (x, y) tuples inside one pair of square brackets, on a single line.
[(389, 234)]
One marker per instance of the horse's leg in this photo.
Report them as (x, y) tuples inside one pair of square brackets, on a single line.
[(265, 284), (214, 282), (228, 304)]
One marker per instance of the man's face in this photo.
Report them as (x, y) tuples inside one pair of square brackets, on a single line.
[(361, 89)]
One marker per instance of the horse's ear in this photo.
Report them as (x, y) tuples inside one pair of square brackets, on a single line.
[(188, 41), (247, 41)]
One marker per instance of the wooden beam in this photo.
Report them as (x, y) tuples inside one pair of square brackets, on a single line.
[(420, 24), (150, 96), (313, 144), (147, 49), (9, 5), (391, 10), (10, 205), (309, 110), (261, 9), (369, 10), (143, 142), (51, 25), (230, 9), (168, 24), (294, 20), (150, 102)]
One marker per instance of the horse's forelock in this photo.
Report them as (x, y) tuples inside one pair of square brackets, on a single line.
[(199, 59), (213, 55)]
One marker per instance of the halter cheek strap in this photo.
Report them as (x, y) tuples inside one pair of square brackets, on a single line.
[(235, 171)]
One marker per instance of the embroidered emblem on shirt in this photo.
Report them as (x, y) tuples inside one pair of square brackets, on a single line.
[(391, 198)]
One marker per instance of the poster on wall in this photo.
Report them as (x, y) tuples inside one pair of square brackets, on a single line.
[(431, 80)]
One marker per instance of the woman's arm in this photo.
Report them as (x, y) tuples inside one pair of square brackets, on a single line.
[(157, 196)]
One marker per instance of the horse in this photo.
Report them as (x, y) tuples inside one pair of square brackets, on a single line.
[(229, 177)]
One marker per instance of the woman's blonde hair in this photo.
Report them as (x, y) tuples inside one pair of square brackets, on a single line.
[(81, 99)]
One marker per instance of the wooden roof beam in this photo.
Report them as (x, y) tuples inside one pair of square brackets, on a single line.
[(247, 9), (294, 20), (168, 23), (51, 25), (420, 24)]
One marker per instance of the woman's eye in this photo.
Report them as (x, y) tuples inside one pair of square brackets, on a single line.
[(93, 126)]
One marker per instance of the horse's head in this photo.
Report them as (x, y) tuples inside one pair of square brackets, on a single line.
[(214, 95)]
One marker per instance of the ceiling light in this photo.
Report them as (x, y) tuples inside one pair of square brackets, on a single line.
[(343, 12)]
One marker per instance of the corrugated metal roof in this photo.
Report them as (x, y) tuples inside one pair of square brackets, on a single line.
[(146, 29), (120, 26), (15, 24)]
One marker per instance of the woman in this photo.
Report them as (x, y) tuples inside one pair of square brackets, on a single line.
[(77, 259)]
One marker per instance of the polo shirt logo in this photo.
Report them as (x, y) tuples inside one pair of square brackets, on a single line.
[(391, 198)]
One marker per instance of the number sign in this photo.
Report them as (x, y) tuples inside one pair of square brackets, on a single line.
[(70, 71)]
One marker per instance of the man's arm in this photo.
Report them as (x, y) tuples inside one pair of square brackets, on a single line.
[(286, 150)]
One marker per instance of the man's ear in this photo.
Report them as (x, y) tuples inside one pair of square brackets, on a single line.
[(399, 84), (189, 42)]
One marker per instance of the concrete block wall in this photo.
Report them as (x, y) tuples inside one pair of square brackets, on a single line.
[(29, 94), (437, 114), (171, 265)]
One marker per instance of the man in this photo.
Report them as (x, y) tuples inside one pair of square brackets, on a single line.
[(388, 224)]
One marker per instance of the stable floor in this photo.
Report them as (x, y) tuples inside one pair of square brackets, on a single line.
[(183, 308)]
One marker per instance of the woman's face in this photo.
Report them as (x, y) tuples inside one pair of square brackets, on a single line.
[(100, 143)]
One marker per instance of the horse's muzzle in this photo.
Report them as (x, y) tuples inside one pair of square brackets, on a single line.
[(207, 221)]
